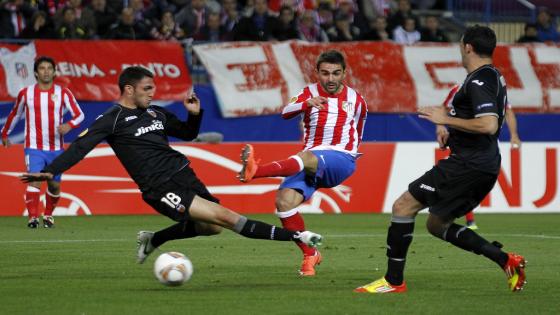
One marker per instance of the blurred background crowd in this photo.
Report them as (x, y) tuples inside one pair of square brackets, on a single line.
[(401, 21)]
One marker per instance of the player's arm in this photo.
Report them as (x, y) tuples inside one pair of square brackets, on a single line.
[(72, 106), (442, 134), (185, 130), (87, 140), (482, 90), (512, 126), (13, 117), (299, 104)]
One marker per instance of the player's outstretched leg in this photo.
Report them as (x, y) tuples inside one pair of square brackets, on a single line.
[(251, 168), (469, 240), (149, 241)]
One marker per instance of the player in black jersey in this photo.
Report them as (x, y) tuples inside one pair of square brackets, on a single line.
[(137, 132), (457, 184)]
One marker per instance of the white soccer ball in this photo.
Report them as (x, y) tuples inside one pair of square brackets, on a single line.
[(173, 268)]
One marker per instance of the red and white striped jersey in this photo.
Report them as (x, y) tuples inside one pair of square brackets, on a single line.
[(338, 126), (44, 111)]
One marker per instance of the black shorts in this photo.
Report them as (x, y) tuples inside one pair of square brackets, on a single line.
[(173, 199), (451, 189)]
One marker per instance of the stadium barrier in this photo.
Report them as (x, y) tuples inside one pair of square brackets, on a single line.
[(99, 185), (259, 78)]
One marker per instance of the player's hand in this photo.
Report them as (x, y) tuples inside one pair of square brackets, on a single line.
[(515, 142), (64, 129), (317, 102), (192, 103), (442, 136), (6, 142), (35, 177), (435, 114)]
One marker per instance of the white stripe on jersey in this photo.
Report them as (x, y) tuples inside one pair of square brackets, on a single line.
[(332, 116), (351, 120), (57, 116), (44, 106), (31, 121), (313, 118)]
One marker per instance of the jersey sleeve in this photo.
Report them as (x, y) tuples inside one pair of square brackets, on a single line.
[(72, 105), (86, 141), (15, 114), (184, 130), (483, 90), (297, 104)]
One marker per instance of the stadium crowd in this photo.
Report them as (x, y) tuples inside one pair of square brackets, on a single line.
[(235, 20)]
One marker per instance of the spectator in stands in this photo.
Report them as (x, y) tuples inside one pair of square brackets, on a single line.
[(371, 9), (230, 16), (343, 30), (39, 28), (103, 15), (194, 16), (213, 31), (260, 26), (308, 28), (144, 12), (403, 12), (14, 15), (326, 15), (167, 28), (287, 28), (378, 30), (546, 28), (357, 19), (69, 27), (127, 28), (51, 6), (431, 32), (530, 35), (83, 22), (407, 33)]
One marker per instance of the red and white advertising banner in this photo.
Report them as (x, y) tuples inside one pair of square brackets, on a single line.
[(90, 69), (259, 78), (99, 185)]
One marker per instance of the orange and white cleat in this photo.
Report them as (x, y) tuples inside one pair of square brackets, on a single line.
[(515, 271), (308, 265), (249, 164), (381, 286)]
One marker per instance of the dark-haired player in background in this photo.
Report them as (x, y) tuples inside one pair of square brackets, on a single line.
[(137, 132), (459, 183), (43, 104)]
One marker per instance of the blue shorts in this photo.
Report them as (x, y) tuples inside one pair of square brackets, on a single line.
[(333, 168), (36, 160)]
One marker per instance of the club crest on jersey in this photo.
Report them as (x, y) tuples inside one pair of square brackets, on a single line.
[(348, 107), (54, 98), (151, 112), (156, 125)]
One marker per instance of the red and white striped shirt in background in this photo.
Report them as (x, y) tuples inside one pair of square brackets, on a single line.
[(338, 126), (44, 111), (449, 99)]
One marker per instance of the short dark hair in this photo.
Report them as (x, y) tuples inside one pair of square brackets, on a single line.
[(482, 39), (42, 59), (331, 56), (133, 75)]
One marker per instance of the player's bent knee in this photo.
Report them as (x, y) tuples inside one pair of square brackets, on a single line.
[(208, 229), (287, 199)]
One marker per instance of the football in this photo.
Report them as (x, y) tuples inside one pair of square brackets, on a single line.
[(173, 268)]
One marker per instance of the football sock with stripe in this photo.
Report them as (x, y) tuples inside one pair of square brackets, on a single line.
[(260, 230), (287, 167), (292, 220), (177, 231), (399, 238), (467, 239)]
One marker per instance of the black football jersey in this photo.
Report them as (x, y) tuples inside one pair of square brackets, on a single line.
[(139, 138), (483, 93)]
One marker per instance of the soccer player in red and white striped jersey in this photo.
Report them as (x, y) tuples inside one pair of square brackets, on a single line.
[(43, 105), (333, 121)]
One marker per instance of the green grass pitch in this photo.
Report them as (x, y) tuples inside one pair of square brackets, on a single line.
[(86, 265)]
